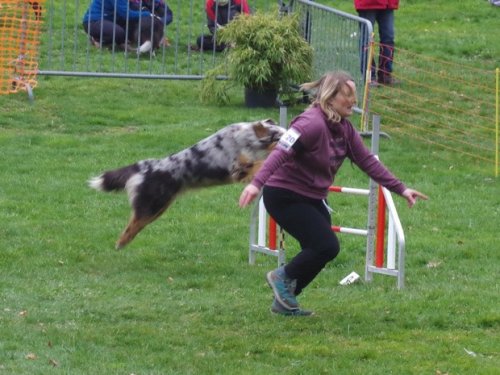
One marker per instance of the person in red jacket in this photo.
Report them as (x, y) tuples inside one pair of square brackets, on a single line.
[(219, 13), (381, 12)]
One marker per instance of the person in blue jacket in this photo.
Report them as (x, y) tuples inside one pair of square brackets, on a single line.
[(105, 21)]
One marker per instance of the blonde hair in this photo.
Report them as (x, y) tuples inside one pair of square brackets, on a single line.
[(326, 88)]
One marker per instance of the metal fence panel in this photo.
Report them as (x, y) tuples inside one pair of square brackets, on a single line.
[(66, 49), (337, 38), (340, 40)]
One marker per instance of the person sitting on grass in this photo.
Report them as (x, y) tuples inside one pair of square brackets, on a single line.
[(105, 22), (219, 14)]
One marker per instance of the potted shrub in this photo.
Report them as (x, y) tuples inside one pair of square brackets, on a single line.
[(266, 55)]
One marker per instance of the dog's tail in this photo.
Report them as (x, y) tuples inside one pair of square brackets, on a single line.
[(115, 180)]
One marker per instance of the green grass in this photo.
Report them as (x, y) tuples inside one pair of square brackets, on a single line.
[(182, 299)]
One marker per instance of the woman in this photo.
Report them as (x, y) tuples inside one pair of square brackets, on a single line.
[(105, 21), (296, 177)]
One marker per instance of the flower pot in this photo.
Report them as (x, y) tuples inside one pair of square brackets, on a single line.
[(260, 98)]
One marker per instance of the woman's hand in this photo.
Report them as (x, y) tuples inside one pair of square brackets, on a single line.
[(248, 195), (412, 195)]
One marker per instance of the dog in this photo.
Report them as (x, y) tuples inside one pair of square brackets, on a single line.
[(232, 154), (147, 32)]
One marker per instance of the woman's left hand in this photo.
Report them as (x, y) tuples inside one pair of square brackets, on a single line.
[(412, 195)]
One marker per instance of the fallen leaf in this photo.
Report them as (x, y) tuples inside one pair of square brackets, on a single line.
[(433, 264), (31, 356), (470, 352), (53, 362)]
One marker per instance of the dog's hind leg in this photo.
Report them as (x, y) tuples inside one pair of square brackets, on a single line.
[(150, 194), (135, 225)]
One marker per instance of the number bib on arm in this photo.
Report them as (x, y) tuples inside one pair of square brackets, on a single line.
[(288, 139)]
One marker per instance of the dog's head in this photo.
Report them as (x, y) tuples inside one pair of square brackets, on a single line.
[(267, 133), (254, 142)]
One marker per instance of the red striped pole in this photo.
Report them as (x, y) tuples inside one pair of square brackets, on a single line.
[(341, 189), (379, 249), (272, 227), (361, 232), (272, 234)]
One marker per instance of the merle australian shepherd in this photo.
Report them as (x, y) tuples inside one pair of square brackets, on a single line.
[(232, 154)]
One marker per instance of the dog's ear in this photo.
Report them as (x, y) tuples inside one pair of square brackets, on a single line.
[(268, 121), (260, 130)]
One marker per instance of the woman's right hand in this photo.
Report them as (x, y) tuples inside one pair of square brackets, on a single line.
[(248, 195)]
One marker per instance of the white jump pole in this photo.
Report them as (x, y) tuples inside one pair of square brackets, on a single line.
[(261, 233), (391, 245)]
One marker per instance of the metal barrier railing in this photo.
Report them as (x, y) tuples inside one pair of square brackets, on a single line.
[(66, 49), (337, 38), (340, 40)]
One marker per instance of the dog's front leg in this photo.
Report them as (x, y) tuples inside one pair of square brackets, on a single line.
[(245, 169)]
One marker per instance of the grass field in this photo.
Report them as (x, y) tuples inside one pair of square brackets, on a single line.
[(182, 299)]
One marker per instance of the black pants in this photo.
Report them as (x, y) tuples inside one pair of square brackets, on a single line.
[(207, 42), (106, 29), (309, 222)]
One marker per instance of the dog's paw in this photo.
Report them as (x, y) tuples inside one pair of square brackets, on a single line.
[(145, 47)]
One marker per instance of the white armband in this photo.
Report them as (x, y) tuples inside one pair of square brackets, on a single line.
[(288, 139)]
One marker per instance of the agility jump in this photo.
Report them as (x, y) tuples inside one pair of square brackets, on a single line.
[(267, 238)]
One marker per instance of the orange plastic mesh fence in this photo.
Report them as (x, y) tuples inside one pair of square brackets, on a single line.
[(20, 26), (445, 104)]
